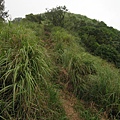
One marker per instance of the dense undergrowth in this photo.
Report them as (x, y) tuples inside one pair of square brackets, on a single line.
[(36, 61), (89, 78), (25, 73), (97, 38)]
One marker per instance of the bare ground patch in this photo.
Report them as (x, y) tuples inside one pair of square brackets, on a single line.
[(68, 101)]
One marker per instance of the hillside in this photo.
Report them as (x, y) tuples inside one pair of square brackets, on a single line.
[(52, 72), (97, 38)]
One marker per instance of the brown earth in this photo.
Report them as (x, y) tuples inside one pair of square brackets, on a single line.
[(68, 101)]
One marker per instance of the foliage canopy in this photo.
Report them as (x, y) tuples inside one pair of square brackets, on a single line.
[(56, 15)]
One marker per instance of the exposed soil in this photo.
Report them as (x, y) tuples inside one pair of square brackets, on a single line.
[(68, 101)]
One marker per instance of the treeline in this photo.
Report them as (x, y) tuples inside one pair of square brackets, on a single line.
[(95, 36)]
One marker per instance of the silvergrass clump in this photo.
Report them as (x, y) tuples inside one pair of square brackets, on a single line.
[(106, 92), (24, 70), (71, 57), (78, 72)]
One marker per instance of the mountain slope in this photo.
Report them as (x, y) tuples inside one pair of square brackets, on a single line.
[(37, 61)]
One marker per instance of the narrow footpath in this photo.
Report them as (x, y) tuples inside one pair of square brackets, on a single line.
[(68, 102)]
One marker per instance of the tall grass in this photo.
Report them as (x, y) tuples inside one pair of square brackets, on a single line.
[(28, 69), (70, 55), (106, 84), (25, 68), (85, 75)]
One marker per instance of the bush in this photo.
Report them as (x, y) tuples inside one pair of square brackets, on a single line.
[(108, 52)]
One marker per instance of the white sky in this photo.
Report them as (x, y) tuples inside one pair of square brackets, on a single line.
[(102, 10)]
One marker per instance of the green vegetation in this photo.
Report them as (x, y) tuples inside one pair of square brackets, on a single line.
[(96, 37), (35, 18), (56, 15), (25, 70), (39, 58), (1, 10)]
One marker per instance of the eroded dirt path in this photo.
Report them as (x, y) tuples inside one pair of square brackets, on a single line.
[(68, 101)]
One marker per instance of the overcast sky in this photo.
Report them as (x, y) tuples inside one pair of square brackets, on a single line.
[(102, 10)]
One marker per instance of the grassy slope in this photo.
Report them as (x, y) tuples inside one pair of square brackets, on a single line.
[(32, 71), (89, 78), (25, 73)]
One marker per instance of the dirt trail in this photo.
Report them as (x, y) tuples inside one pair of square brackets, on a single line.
[(68, 102)]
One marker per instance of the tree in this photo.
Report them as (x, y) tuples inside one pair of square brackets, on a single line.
[(56, 15), (3, 14), (34, 18), (17, 19), (1, 8)]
